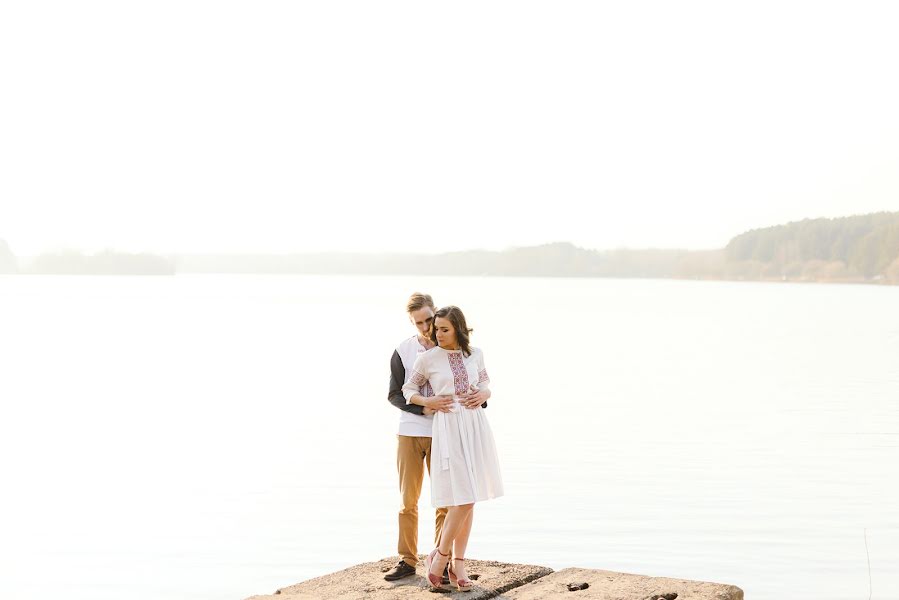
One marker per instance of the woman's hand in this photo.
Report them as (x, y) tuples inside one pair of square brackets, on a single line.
[(474, 398), (439, 403)]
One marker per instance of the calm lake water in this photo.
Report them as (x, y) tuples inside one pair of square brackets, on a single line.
[(213, 437)]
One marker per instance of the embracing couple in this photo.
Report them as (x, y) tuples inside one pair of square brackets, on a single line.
[(439, 382)]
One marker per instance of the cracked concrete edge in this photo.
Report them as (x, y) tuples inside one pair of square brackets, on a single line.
[(519, 582)]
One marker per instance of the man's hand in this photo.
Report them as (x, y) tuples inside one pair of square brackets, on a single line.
[(439, 403), (473, 399), (428, 411)]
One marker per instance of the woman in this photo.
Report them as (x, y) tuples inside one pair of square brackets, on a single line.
[(467, 469)]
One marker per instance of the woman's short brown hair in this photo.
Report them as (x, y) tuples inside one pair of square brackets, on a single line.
[(454, 315), (418, 301)]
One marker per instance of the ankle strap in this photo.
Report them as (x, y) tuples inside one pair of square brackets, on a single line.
[(441, 553), (462, 559)]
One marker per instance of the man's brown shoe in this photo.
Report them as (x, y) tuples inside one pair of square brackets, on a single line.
[(402, 569)]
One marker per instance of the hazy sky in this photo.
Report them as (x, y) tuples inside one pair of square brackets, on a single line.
[(193, 126)]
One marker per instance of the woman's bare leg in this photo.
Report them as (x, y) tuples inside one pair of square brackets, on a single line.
[(456, 519), (460, 544)]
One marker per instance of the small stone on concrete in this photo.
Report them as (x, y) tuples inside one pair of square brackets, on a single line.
[(574, 587)]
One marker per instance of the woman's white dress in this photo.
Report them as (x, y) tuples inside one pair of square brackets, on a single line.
[(464, 465)]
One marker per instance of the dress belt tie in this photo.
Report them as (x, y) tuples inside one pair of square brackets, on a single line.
[(444, 448)]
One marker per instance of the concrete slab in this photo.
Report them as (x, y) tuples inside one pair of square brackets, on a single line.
[(611, 585), (366, 581)]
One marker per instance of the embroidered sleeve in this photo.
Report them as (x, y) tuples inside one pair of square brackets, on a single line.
[(417, 379), (483, 378)]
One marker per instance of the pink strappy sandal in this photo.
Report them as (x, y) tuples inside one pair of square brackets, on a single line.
[(436, 581), (464, 585)]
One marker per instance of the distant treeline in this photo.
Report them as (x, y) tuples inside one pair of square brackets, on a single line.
[(102, 263), (851, 249), (861, 248), (549, 260)]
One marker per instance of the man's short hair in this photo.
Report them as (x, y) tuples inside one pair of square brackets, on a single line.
[(418, 301)]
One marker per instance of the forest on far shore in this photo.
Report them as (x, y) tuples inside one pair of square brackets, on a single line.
[(857, 249)]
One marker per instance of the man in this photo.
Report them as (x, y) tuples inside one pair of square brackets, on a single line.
[(414, 436)]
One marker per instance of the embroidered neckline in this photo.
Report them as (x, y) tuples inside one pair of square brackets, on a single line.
[(460, 373)]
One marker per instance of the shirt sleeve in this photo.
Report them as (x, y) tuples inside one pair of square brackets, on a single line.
[(483, 378), (417, 379), (395, 394)]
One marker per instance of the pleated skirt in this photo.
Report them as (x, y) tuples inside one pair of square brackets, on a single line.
[(464, 463)]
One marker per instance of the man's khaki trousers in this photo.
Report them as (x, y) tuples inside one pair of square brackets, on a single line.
[(412, 453)]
